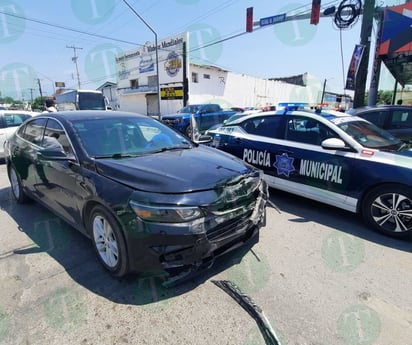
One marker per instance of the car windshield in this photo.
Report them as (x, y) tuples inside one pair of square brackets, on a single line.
[(369, 135), (189, 109), (119, 137), (233, 118)]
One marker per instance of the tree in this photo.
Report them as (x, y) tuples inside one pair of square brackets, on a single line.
[(39, 103), (383, 97), (6, 100)]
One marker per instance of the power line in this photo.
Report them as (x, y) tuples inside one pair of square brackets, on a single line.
[(66, 28)]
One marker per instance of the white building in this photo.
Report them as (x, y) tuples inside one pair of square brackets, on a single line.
[(109, 90), (137, 82)]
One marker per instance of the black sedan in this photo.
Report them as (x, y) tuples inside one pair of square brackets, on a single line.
[(149, 199), (396, 119)]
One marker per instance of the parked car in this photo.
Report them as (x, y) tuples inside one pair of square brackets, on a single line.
[(150, 199), (205, 115), (332, 157), (9, 121), (396, 119)]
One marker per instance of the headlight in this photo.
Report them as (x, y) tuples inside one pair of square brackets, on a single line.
[(166, 214)]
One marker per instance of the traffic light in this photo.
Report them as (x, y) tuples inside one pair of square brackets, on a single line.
[(249, 19), (315, 14)]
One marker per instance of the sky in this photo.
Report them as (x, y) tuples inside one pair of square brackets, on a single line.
[(40, 39)]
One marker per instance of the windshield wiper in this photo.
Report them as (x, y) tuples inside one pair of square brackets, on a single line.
[(405, 145), (171, 148), (116, 156)]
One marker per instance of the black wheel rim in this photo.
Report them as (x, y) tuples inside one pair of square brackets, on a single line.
[(392, 212)]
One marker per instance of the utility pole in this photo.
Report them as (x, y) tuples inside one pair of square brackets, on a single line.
[(74, 59), (377, 61), (365, 39), (41, 93), (31, 94), (157, 56)]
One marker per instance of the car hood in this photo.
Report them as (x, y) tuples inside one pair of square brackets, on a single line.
[(176, 171), (171, 116), (406, 153)]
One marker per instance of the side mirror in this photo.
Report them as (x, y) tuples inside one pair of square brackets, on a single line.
[(334, 144), (54, 154)]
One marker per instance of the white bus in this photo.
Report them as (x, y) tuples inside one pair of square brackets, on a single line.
[(81, 100)]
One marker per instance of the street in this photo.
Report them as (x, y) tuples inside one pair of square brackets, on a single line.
[(319, 274)]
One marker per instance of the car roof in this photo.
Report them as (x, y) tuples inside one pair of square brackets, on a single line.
[(32, 113), (315, 114), (90, 114), (379, 107)]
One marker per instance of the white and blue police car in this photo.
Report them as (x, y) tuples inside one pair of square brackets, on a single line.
[(331, 157)]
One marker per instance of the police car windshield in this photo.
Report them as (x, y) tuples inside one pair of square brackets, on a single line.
[(369, 135)]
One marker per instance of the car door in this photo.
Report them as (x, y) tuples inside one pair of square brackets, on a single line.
[(59, 181), (208, 117), (24, 150), (253, 143), (304, 167)]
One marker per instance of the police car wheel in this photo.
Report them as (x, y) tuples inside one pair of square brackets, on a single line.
[(389, 210)]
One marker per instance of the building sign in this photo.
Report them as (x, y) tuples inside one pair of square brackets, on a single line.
[(141, 63), (170, 93), (173, 64)]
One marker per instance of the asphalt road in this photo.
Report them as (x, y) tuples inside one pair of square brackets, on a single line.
[(320, 275)]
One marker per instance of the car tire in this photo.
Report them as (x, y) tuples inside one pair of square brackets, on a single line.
[(16, 186), (188, 131), (108, 241), (388, 209)]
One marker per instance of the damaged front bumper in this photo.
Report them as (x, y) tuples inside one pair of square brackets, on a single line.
[(181, 254)]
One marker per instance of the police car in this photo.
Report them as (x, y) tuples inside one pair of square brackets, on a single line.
[(331, 157)]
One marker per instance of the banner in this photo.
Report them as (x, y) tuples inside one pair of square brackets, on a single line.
[(354, 66)]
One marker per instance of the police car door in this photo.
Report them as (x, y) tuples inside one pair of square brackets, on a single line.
[(303, 167)]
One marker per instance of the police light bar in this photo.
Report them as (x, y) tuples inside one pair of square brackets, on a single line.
[(289, 106)]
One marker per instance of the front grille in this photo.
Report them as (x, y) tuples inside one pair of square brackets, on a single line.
[(170, 121), (229, 227)]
